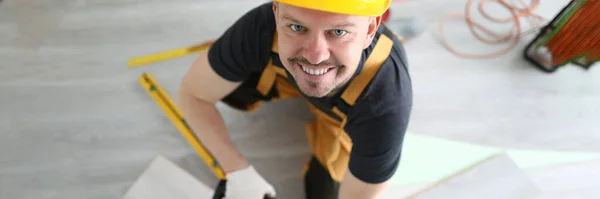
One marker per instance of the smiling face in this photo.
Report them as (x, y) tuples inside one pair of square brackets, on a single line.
[(320, 49)]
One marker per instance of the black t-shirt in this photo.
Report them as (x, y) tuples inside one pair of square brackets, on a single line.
[(376, 123)]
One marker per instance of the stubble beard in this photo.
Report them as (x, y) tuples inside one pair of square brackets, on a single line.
[(313, 85), (331, 90)]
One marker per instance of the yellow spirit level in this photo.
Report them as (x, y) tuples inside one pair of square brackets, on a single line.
[(166, 104)]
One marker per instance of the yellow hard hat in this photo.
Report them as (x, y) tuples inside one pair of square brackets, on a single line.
[(350, 7)]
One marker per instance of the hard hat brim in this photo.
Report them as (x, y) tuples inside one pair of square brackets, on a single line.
[(348, 7)]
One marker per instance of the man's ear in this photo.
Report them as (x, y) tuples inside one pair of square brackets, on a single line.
[(374, 24), (275, 4)]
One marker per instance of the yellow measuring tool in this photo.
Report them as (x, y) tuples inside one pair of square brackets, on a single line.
[(169, 54), (164, 101)]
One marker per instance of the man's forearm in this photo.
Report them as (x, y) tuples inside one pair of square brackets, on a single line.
[(208, 125)]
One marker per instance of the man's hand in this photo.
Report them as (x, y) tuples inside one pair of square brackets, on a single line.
[(247, 183), (353, 188)]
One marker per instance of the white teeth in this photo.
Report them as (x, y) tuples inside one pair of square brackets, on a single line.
[(315, 72)]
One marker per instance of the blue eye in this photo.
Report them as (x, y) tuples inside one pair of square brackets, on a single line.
[(296, 27), (338, 32)]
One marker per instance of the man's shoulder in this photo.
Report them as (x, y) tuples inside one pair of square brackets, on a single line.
[(379, 118), (245, 47), (264, 12), (256, 22), (259, 22), (390, 89), (393, 79)]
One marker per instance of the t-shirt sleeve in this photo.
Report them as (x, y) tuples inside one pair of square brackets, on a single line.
[(245, 47), (377, 127), (377, 146)]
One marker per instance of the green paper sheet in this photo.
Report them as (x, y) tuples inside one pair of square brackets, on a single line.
[(427, 159)]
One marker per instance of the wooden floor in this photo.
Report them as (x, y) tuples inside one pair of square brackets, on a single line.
[(75, 123)]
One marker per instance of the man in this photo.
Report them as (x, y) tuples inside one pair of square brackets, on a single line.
[(336, 54)]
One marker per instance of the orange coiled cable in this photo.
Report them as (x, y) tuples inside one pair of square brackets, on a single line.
[(512, 37)]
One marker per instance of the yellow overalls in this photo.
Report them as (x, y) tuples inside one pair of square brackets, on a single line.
[(328, 141)]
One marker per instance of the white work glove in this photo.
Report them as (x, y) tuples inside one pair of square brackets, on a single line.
[(247, 183)]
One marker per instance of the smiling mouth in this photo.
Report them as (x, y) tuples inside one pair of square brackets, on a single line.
[(315, 71)]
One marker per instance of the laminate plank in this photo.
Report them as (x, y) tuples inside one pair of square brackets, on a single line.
[(165, 180)]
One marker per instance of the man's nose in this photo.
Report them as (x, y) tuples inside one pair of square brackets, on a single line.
[(316, 49)]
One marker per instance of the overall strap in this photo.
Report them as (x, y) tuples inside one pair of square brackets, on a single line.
[(380, 53), (275, 49), (377, 57), (275, 46), (268, 76)]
